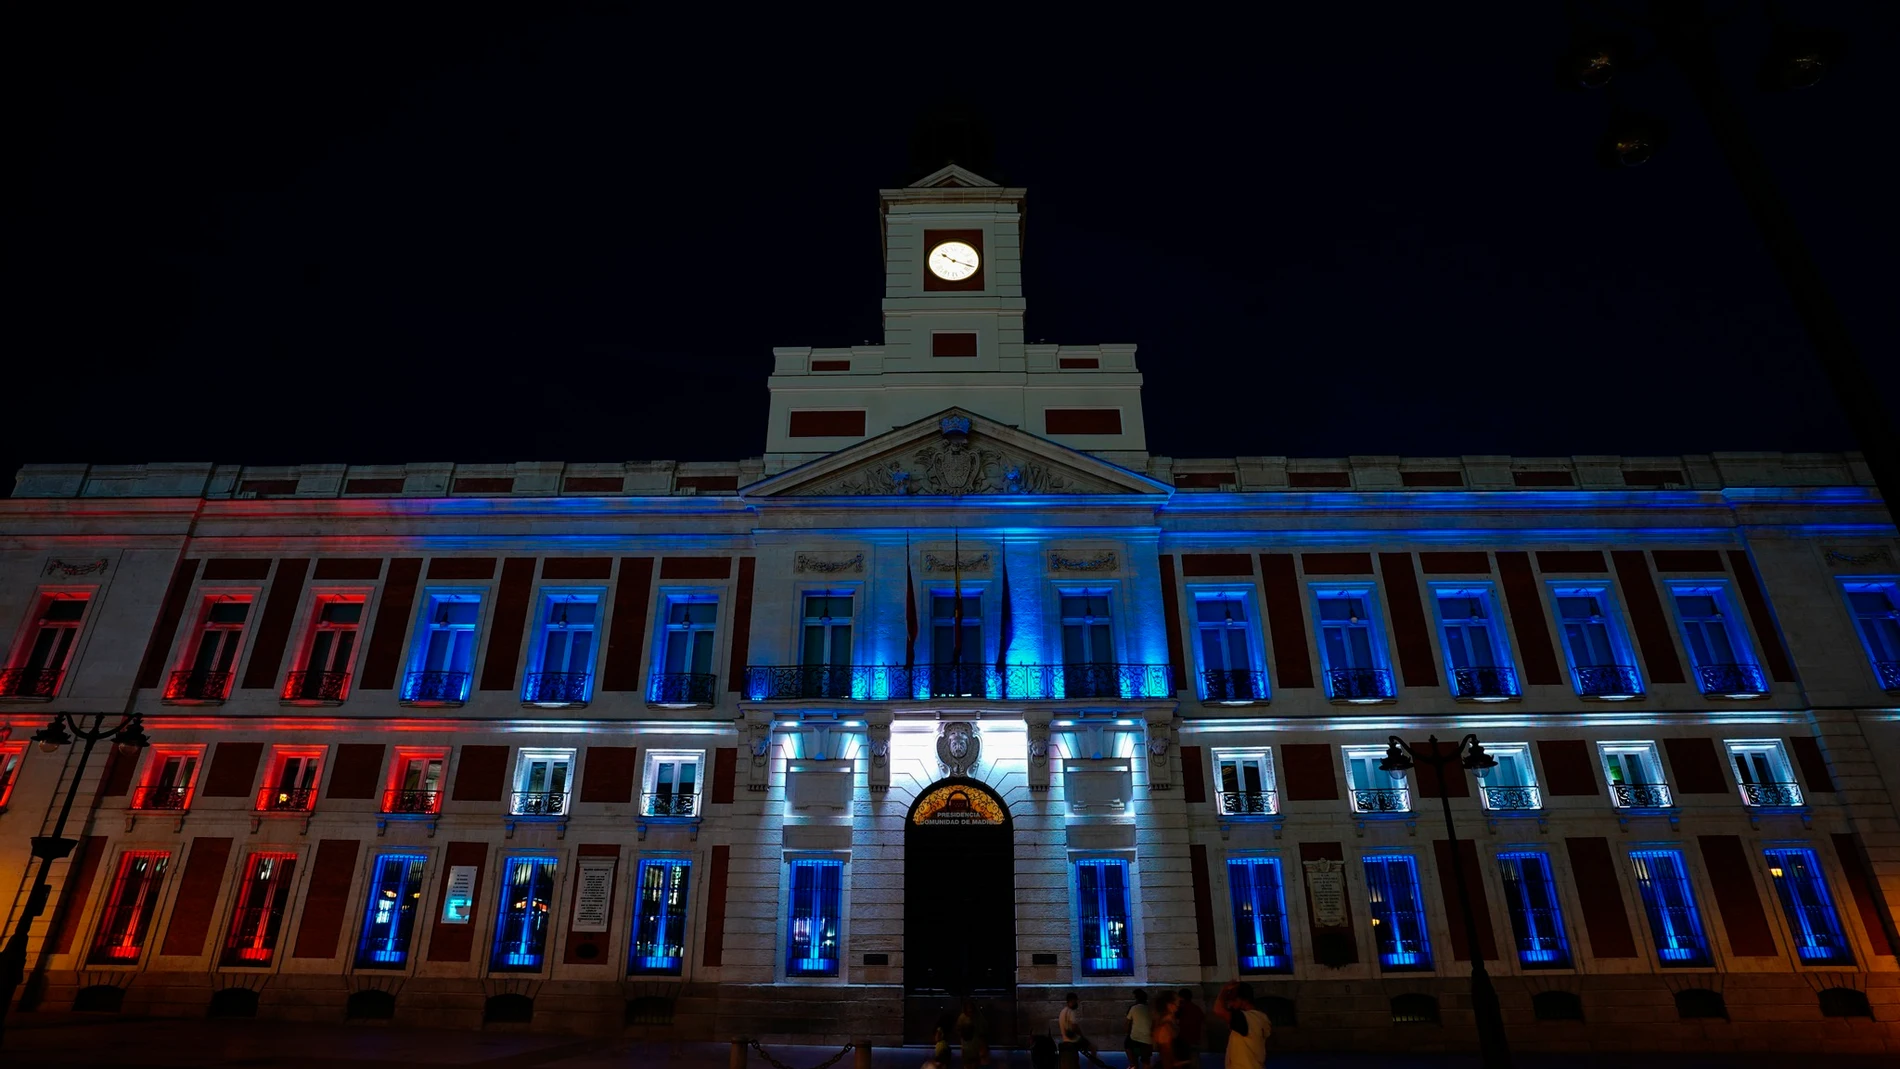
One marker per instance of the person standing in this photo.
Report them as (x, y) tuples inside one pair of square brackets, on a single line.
[(1190, 1027), (1069, 1054), (1167, 1049), (1248, 1028), (1139, 1042)]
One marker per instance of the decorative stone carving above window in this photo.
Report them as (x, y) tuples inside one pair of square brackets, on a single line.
[(967, 563), (829, 563), (1858, 556), (1098, 784), (1084, 560)]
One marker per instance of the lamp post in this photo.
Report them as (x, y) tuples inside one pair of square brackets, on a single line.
[(129, 735), (1493, 1051)]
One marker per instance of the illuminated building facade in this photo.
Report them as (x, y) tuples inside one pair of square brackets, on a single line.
[(958, 688)]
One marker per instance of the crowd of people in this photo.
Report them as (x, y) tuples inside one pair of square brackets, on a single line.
[(1167, 1033)]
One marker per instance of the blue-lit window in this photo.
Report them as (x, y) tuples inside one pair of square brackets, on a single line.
[(1475, 651), (444, 656), (1398, 913), (1818, 938), (1600, 661), (1259, 914), (1876, 608), (1351, 650), (956, 630), (1663, 880), (815, 938), (563, 666), (521, 927), (1537, 921), (1716, 641), (1101, 902), (389, 916), (684, 677), (825, 667), (1229, 671), (659, 918)]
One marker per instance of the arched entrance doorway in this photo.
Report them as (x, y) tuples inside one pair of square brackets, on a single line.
[(959, 908)]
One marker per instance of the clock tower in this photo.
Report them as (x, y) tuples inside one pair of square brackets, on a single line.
[(953, 337)]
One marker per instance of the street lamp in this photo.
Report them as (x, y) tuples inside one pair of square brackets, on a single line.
[(129, 735), (1493, 1051)]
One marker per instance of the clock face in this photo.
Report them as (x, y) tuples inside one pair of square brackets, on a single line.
[(953, 261)]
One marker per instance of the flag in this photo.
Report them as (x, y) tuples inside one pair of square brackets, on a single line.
[(956, 594), (1003, 618)]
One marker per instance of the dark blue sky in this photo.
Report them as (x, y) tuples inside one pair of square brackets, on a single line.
[(247, 236)]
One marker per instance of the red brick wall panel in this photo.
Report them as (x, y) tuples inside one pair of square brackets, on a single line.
[(1417, 666), (1171, 610), (627, 632), (508, 624), (1688, 560), (610, 774), (1773, 649), (197, 897), (328, 899), (361, 569), (1866, 896), (274, 624), (453, 942), (1695, 766), (695, 567), (1529, 625), (461, 568), (1196, 565), (1336, 563), (569, 569), (356, 770), (716, 875), (741, 625), (1570, 768), (1082, 420), (1653, 635), (83, 873), (1605, 922), (725, 774), (826, 424), (480, 773), (1193, 776), (1735, 897), (1480, 904), (159, 646), (1309, 772), (1455, 563), (1813, 764), (1584, 561), (1286, 621), (1203, 905), (384, 656), (233, 770)]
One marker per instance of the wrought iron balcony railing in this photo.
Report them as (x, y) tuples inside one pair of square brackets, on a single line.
[(1359, 684), (1609, 681), (195, 686), (556, 688), (287, 799), (1484, 683), (1889, 673), (29, 683), (1640, 795), (161, 797), (410, 800), (1381, 800), (539, 803), (1771, 794), (1509, 798), (669, 805), (435, 688), (1233, 685), (1249, 803), (1010, 682), (323, 687), (683, 688), (1731, 680)]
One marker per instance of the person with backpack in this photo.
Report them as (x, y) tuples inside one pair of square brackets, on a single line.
[(1247, 1027)]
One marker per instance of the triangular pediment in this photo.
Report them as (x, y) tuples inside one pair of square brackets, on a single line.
[(954, 453), (951, 175)]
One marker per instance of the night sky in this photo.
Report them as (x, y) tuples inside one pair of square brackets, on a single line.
[(362, 236)]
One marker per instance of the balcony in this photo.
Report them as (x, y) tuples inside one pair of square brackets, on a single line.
[(1381, 800), (1512, 799), (435, 688), (195, 687), (1487, 683), (410, 800), (555, 689), (1608, 682), (1731, 680), (1012, 682), (1359, 686), (683, 690), (1771, 794), (316, 688), (29, 684), (162, 797), (1640, 795), (1233, 686), (538, 804), (1249, 803), (286, 799), (1889, 673), (674, 805)]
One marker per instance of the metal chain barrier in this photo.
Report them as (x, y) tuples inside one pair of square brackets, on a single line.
[(826, 1064)]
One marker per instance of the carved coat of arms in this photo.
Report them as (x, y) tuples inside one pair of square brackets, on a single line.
[(958, 746)]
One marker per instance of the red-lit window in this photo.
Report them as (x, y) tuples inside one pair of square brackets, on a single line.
[(415, 782), (323, 674), (10, 757), (169, 778), (45, 647), (291, 784), (212, 660), (129, 909), (262, 900)]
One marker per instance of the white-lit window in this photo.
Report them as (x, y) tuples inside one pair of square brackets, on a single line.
[(1635, 775), (673, 783), (1512, 785), (1246, 782), (1762, 772), (541, 782), (1373, 789)]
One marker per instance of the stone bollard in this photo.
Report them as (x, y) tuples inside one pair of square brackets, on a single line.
[(736, 1060), (861, 1054)]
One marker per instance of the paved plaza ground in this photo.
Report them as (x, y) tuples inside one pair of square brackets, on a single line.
[(80, 1042)]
